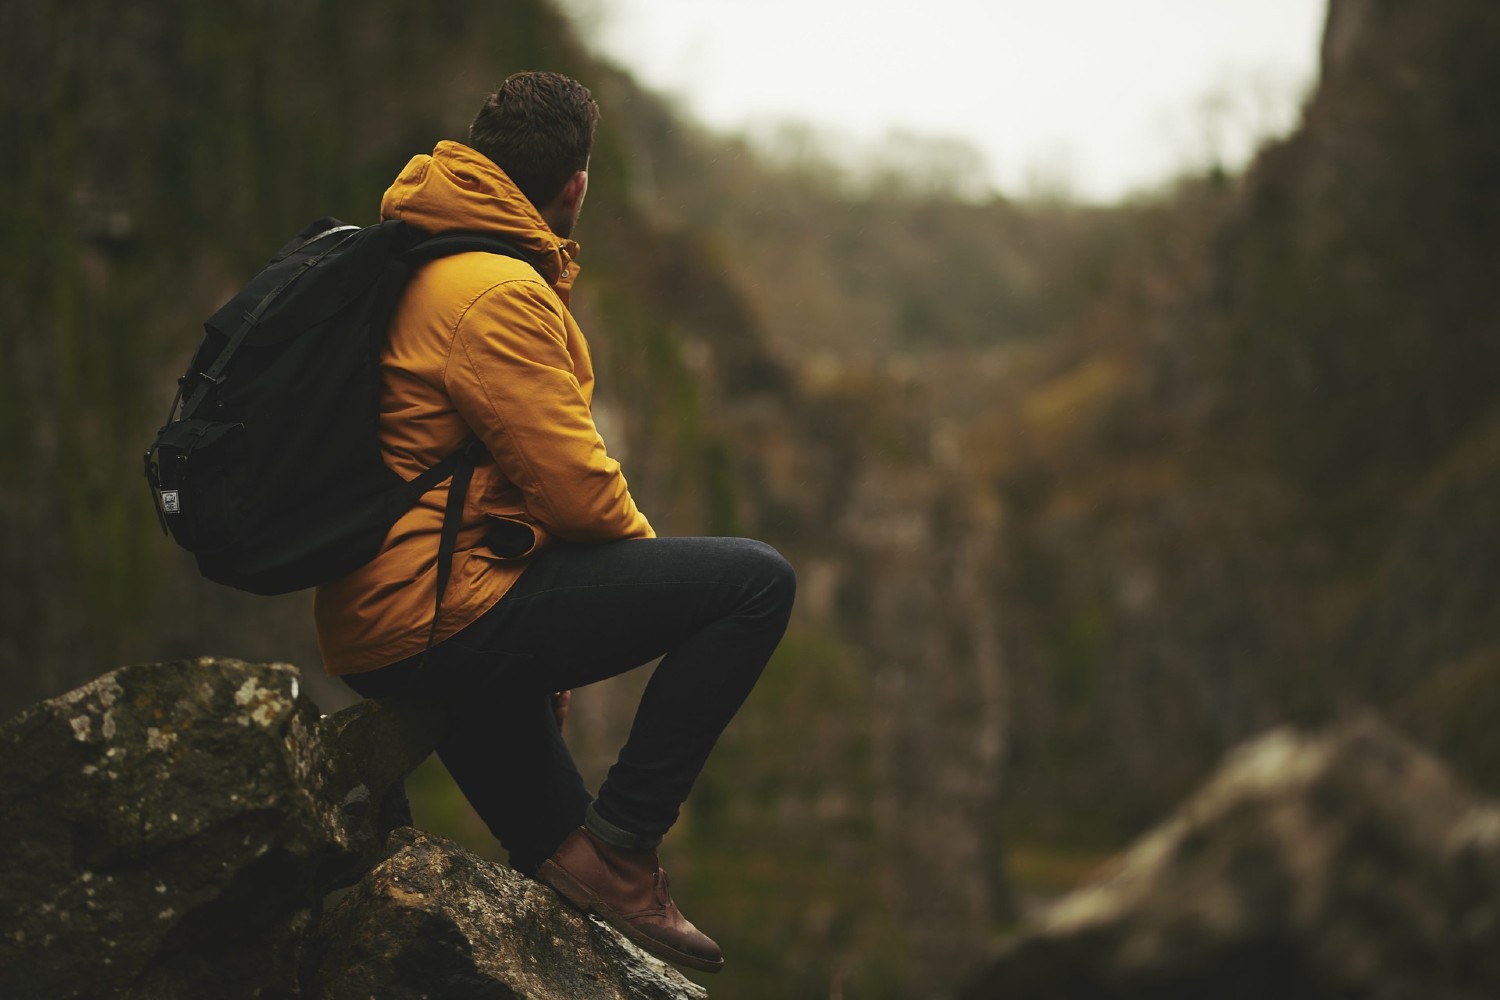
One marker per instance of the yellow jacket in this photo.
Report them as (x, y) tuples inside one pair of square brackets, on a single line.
[(479, 343)]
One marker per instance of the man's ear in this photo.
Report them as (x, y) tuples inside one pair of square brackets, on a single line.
[(570, 197), (561, 213)]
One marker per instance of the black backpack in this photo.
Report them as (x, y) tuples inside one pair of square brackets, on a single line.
[(270, 473)]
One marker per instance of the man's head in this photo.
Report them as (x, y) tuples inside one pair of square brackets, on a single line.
[(539, 129)]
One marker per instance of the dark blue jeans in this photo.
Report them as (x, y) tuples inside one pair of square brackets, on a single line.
[(712, 608)]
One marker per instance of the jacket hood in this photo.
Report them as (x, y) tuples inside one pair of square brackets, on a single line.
[(458, 188)]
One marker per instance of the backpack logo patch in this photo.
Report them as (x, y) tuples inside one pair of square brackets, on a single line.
[(169, 502)]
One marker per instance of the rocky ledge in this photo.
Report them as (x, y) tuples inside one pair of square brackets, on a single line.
[(172, 830)]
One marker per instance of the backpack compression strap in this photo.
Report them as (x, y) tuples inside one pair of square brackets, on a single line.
[(211, 377)]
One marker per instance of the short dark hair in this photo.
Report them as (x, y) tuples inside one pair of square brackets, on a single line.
[(539, 128)]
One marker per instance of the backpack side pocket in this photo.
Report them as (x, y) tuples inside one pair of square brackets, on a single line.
[(198, 464)]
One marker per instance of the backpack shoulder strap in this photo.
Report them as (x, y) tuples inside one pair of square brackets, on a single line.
[(448, 244), (460, 464)]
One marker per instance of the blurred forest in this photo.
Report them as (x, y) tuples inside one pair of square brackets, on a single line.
[(1079, 497)]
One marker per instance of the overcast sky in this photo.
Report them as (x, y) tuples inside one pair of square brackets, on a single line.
[(1099, 97)]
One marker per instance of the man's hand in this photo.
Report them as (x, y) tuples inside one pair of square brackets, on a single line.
[(560, 701)]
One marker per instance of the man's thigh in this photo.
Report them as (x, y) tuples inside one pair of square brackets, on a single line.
[(581, 613)]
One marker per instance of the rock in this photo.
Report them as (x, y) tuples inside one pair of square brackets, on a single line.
[(162, 833), (170, 832), (1345, 865), (367, 750), (433, 920)]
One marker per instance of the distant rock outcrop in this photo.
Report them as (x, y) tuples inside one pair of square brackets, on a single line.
[(170, 832), (1351, 864)]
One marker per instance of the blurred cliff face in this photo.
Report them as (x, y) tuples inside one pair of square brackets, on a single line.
[(1079, 498), (1226, 516)]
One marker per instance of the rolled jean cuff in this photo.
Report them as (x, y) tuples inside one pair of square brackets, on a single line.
[(614, 835)]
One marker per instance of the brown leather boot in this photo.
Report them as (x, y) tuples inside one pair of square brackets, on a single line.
[(628, 889)]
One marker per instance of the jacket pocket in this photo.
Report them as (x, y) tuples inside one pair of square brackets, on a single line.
[(513, 536)]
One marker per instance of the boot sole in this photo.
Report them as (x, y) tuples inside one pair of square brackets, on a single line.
[(578, 894)]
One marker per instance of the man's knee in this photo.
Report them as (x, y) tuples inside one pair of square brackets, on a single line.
[(778, 580)]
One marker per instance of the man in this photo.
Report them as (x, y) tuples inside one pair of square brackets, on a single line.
[(558, 579)]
